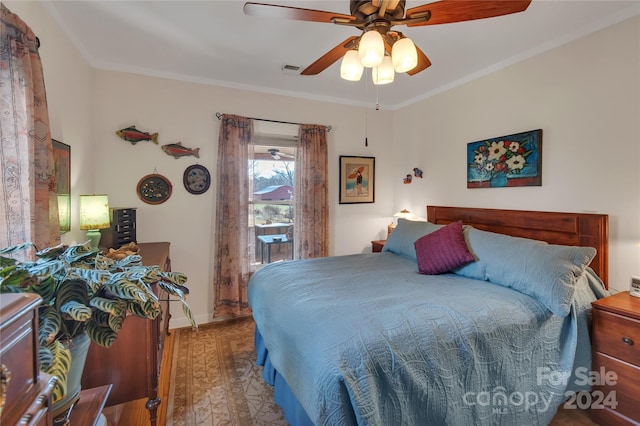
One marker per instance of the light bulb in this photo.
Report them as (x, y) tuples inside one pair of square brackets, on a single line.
[(371, 49), (351, 68), (383, 73), (404, 55)]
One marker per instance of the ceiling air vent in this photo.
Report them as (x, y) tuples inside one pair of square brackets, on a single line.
[(290, 69)]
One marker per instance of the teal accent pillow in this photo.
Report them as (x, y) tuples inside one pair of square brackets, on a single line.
[(405, 235), (543, 271)]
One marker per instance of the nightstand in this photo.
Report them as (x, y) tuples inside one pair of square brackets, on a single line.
[(376, 245), (615, 337)]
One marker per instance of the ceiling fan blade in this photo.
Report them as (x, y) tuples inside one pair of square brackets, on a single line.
[(423, 63), (295, 13), (448, 11), (326, 60)]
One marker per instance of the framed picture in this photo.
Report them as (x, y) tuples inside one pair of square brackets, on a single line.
[(512, 160), (62, 175), (357, 179)]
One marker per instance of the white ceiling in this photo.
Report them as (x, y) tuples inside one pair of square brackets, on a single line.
[(214, 42)]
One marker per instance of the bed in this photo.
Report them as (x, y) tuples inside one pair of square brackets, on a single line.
[(424, 334)]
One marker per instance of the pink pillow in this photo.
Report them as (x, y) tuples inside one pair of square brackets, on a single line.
[(442, 250)]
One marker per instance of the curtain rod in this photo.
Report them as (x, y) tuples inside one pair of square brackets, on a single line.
[(219, 115)]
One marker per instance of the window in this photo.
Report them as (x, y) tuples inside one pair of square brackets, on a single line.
[(271, 209)]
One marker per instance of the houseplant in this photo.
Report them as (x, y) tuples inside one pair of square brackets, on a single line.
[(86, 295)]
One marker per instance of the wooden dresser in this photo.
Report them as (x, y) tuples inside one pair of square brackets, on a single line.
[(616, 349), (25, 394), (132, 363)]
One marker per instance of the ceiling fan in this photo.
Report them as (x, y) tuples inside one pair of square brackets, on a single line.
[(379, 17), (277, 155)]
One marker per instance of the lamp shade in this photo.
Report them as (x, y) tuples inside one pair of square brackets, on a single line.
[(404, 214), (371, 49), (351, 68), (383, 73), (94, 212), (404, 55)]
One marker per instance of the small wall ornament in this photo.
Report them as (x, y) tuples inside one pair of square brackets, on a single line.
[(176, 150), (154, 188), (196, 179), (133, 135)]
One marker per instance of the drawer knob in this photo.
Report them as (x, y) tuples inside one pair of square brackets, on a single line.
[(5, 378), (627, 341)]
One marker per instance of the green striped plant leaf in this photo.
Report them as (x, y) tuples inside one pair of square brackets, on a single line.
[(16, 248), (49, 324), (59, 367), (125, 289), (177, 278), (104, 336), (76, 310), (111, 306), (116, 321), (188, 314)]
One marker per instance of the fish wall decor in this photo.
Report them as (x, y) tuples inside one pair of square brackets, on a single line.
[(133, 135), (176, 150)]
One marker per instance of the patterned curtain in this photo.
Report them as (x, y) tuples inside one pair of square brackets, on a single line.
[(28, 203), (234, 245), (311, 193)]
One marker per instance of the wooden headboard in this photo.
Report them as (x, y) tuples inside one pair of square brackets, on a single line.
[(571, 229)]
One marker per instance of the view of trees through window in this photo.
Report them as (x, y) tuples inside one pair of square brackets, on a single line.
[(272, 190)]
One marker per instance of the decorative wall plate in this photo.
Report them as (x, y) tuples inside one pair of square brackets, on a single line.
[(154, 189), (196, 179)]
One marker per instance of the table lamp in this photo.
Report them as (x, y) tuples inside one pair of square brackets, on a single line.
[(404, 214), (94, 215)]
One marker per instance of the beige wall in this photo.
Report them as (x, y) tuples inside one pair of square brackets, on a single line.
[(585, 96)]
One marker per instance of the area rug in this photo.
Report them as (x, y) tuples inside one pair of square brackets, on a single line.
[(215, 381)]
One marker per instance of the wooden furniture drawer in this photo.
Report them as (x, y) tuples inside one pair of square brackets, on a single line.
[(28, 391), (624, 390), (132, 364), (617, 336)]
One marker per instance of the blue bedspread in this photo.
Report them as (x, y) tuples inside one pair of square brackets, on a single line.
[(364, 339)]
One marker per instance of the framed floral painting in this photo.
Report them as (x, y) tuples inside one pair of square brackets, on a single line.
[(512, 160), (357, 179)]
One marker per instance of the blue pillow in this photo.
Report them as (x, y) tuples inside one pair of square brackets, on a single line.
[(406, 233), (543, 271)]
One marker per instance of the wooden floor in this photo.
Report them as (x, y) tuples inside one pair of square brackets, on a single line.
[(134, 413)]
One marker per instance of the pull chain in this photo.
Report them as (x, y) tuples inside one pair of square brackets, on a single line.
[(366, 129)]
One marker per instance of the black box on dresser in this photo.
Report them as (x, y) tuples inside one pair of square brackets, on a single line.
[(122, 230)]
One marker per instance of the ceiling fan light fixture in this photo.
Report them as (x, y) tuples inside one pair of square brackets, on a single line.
[(351, 68), (383, 73), (371, 49), (404, 55)]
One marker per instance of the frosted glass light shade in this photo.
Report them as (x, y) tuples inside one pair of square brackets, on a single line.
[(351, 68), (383, 73), (404, 55), (94, 212), (371, 49)]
